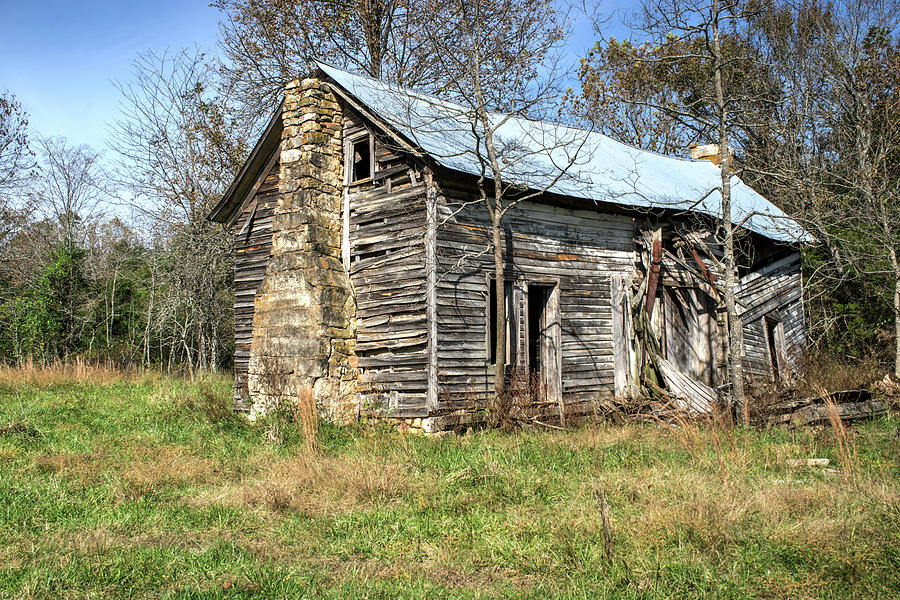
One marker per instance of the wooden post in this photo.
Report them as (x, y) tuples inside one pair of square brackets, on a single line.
[(655, 261), (620, 341), (553, 356), (431, 392)]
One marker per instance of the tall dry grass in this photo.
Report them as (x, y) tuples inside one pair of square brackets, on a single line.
[(289, 403), (306, 416), (317, 484), (66, 371), (819, 375), (844, 442)]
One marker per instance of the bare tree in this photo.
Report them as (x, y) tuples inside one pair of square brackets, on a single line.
[(499, 59), (178, 149), (829, 149), (866, 136), (270, 42), (706, 83), (623, 99), (16, 157), (68, 189), (65, 194), (16, 163)]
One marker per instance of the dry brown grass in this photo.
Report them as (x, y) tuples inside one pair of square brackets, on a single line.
[(819, 374), (829, 373), (103, 538), (711, 506), (698, 508), (139, 471), (317, 484), (600, 434), (306, 416), (65, 371), (846, 446)]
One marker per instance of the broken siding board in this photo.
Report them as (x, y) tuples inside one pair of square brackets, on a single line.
[(690, 395), (775, 289)]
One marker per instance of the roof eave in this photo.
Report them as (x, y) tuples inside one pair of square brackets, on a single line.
[(224, 210)]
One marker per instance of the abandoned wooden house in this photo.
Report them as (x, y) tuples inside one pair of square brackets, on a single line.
[(363, 270)]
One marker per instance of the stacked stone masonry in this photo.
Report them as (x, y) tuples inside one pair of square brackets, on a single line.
[(303, 327)]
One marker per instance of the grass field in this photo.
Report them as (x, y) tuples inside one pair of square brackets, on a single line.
[(140, 487)]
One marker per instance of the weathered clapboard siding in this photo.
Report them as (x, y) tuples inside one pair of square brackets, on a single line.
[(774, 291), (577, 249), (252, 251), (387, 271)]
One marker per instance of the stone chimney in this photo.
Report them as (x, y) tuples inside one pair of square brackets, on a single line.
[(304, 322), (709, 152)]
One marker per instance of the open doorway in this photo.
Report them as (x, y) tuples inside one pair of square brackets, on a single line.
[(543, 335), (774, 336)]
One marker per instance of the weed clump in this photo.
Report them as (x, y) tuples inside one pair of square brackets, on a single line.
[(214, 406), (19, 430), (284, 403)]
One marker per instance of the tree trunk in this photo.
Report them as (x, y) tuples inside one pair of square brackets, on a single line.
[(495, 211), (897, 324), (149, 321), (500, 297), (735, 324), (895, 263)]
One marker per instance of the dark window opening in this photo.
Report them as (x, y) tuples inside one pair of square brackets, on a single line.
[(361, 156), (361, 255), (774, 350), (492, 319)]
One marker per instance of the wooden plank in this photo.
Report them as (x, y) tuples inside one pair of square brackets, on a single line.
[(655, 260), (690, 395), (544, 244), (620, 342)]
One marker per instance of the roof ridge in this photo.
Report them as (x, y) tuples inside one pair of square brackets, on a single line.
[(415, 93)]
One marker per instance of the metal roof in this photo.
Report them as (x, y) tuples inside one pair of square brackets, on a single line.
[(565, 160)]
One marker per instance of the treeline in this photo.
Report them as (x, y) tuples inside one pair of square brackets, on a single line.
[(114, 260), (112, 257)]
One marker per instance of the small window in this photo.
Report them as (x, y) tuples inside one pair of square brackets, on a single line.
[(361, 159), (492, 320)]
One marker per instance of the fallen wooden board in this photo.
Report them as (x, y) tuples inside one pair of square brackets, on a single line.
[(822, 413), (842, 397), (689, 394)]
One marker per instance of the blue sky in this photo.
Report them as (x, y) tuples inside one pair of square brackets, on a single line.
[(61, 58)]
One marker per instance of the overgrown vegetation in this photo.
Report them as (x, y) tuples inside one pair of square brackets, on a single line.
[(131, 488)]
